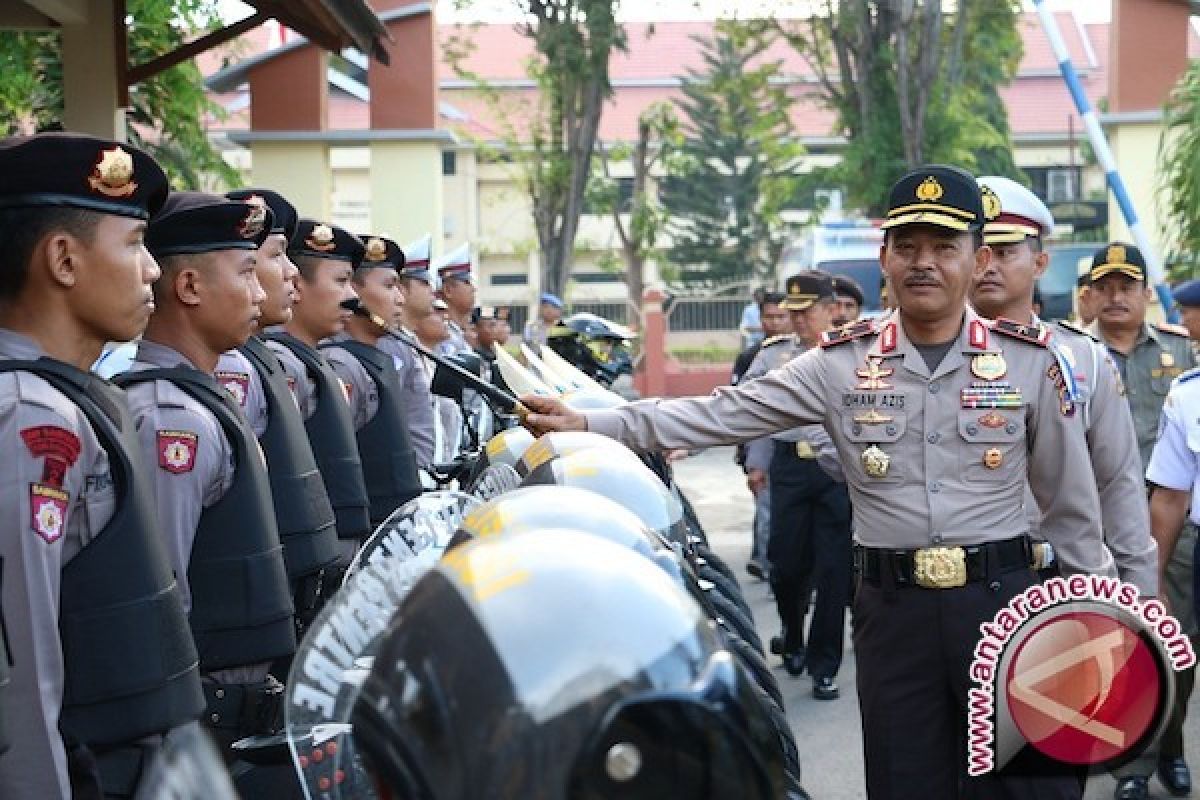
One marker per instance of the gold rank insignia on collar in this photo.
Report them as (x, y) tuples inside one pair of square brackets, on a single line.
[(113, 174), (1034, 334)]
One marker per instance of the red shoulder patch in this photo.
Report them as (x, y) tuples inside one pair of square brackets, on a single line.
[(236, 383), (48, 511), (177, 451), (58, 446)]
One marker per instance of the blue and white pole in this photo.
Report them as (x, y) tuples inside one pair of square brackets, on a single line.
[(1104, 155)]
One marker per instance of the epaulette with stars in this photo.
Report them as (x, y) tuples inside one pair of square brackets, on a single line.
[(847, 333), (1073, 328), (1174, 330), (776, 339), (1034, 334)]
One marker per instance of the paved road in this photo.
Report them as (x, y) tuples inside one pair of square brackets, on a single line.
[(827, 732)]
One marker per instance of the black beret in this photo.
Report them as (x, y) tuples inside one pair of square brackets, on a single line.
[(196, 222), (849, 287), (948, 197), (806, 288), (283, 211), (379, 251), (1118, 257), (71, 170), (319, 240)]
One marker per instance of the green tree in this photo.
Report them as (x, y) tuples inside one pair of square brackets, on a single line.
[(738, 166), (912, 82), (168, 112), (1179, 170), (640, 218), (552, 140)]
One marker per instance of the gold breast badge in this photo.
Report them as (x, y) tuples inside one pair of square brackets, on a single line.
[(988, 366), (872, 376), (993, 458), (876, 462)]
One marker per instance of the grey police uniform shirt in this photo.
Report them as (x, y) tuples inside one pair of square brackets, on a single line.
[(1157, 358), (957, 470), (239, 377), (304, 389), (774, 353), (193, 464), (414, 396), (1115, 461), (58, 495), (360, 388), (455, 343)]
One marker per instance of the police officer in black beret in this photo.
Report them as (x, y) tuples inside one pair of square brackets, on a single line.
[(102, 661), (215, 509)]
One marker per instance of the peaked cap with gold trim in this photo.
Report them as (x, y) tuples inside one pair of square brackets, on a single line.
[(1013, 213), (936, 195)]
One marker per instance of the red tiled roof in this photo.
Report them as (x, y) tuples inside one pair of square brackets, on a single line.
[(659, 53)]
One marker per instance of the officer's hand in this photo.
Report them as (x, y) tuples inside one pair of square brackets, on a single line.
[(756, 480), (550, 414)]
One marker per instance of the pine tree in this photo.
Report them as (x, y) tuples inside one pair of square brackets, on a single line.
[(738, 164)]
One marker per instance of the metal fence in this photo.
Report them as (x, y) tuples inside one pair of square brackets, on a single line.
[(706, 313)]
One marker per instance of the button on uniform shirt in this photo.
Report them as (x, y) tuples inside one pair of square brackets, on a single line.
[(239, 377), (955, 474), (193, 466), (1157, 358), (773, 354), (414, 396), (1115, 459), (56, 494)]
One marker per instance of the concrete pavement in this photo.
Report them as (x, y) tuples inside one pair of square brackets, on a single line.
[(828, 733)]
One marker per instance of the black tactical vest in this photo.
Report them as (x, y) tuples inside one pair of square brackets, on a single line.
[(241, 601), (331, 434), (129, 661), (302, 510), (389, 462)]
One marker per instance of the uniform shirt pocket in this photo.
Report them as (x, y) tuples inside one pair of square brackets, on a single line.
[(993, 444), (879, 428)]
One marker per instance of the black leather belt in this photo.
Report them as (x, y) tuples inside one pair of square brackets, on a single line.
[(942, 567)]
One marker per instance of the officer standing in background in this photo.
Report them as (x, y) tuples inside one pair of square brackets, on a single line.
[(454, 276), (1174, 473), (1187, 299), (1017, 223), (489, 324), (810, 510), (776, 324), (215, 511), (373, 387), (416, 286), (850, 300), (324, 256), (432, 331), (939, 523), (550, 311), (302, 509), (78, 541)]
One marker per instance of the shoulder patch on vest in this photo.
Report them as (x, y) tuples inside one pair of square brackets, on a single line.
[(847, 333), (1034, 334), (1173, 330), (1073, 328), (177, 451)]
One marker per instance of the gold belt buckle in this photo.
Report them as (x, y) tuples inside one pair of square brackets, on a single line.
[(940, 567)]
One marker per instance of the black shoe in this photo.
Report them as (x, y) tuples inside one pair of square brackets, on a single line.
[(777, 645), (755, 569), (1173, 773), (1135, 787), (794, 662), (826, 689)]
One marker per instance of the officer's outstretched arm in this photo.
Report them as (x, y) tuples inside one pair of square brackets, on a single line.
[(550, 414)]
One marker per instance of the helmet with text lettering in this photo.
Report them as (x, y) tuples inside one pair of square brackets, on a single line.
[(488, 685)]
